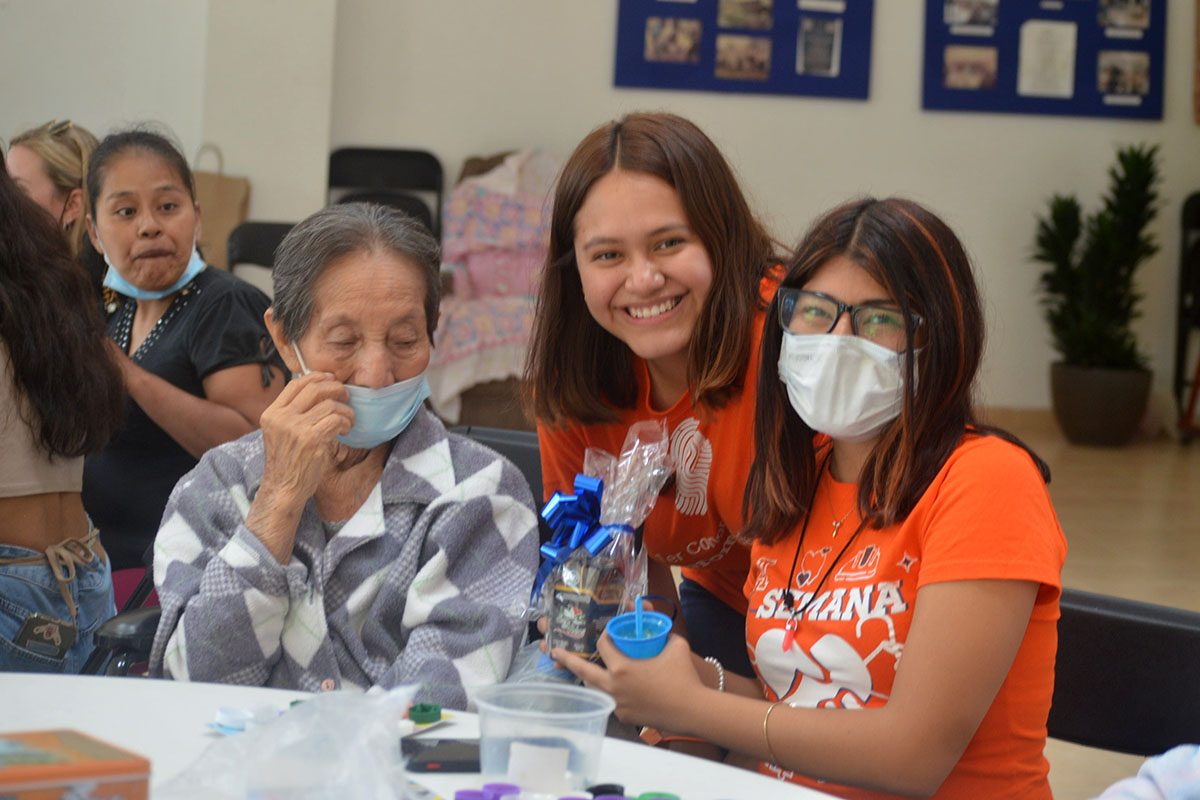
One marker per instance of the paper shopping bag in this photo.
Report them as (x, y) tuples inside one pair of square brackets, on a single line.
[(224, 204)]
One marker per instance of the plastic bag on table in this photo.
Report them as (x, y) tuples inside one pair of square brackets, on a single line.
[(332, 746), (595, 572), (531, 665)]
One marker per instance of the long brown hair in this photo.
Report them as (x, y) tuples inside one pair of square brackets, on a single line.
[(918, 259), (576, 370), (51, 327)]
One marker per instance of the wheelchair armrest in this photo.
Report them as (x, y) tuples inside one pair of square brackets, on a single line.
[(131, 631)]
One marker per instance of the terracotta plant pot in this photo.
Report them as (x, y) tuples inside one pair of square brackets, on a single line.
[(1098, 406)]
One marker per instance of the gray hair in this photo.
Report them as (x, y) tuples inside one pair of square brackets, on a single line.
[(341, 230)]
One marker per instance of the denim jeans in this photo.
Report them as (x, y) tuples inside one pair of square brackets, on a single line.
[(27, 589)]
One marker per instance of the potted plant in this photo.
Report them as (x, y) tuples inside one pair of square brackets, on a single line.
[(1102, 384)]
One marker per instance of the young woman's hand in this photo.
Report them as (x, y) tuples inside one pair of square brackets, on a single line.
[(648, 691)]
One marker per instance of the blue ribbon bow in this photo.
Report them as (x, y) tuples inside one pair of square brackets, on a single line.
[(575, 520)]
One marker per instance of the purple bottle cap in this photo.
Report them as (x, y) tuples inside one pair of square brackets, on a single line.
[(495, 791), (472, 794)]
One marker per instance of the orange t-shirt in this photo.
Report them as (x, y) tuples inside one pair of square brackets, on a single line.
[(695, 523), (986, 515)]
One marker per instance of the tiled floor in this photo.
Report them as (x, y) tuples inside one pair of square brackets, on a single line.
[(1132, 520)]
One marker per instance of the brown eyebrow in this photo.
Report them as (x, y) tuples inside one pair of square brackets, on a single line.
[(600, 240)]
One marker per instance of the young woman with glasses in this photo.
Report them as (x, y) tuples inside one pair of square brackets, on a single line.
[(906, 561)]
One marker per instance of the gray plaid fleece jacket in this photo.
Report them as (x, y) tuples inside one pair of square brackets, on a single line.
[(432, 597)]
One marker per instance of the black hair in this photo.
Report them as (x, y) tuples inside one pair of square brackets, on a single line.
[(117, 144)]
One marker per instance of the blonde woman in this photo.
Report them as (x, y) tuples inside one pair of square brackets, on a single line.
[(49, 164)]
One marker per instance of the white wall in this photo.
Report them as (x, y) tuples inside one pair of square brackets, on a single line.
[(461, 77), (254, 77), (105, 65), (267, 99)]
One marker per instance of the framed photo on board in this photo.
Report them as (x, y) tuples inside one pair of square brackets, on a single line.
[(1100, 58), (802, 47)]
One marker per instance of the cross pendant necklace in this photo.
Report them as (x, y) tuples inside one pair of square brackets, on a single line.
[(837, 523)]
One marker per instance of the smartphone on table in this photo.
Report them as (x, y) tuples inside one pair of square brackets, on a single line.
[(440, 755)]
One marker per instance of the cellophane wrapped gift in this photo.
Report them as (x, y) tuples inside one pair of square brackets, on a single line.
[(592, 570)]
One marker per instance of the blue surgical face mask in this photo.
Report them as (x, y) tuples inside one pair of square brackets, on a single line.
[(113, 279), (380, 415)]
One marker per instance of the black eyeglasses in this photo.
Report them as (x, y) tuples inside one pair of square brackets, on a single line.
[(805, 312)]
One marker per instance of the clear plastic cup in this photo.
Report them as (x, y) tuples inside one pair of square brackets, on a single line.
[(542, 737)]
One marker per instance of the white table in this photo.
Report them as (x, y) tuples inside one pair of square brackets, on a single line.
[(167, 722)]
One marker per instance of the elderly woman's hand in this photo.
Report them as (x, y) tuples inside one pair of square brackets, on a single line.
[(300, 431)]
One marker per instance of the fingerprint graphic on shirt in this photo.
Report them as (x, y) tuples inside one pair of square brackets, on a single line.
[(692, 454)]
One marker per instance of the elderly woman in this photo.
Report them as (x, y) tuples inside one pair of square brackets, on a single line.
[(353, 541)]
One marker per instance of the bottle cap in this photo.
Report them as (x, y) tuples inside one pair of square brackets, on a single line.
[(423, 713), (497, 790)]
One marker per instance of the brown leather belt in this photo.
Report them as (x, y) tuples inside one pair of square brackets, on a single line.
[(62, 559)]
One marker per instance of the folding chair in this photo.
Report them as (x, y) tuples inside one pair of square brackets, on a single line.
[(410, 204), (250, 251), (124, 641), (1126, 675), (256, 242), (390, 170)]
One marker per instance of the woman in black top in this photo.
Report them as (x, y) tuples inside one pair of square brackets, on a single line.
[(198, 363)]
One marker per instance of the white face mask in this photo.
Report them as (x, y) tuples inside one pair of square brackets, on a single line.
[(843, 386)]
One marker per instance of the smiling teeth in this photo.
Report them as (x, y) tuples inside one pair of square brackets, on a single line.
[(653, 311)]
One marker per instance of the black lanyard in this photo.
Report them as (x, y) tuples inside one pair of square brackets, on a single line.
[(787, 590)]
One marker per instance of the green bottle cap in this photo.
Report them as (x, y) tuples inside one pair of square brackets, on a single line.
[(423, 713)]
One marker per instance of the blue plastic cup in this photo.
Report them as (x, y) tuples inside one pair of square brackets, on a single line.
[(622, 629)]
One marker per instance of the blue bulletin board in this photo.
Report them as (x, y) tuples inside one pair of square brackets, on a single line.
[(1096, 58), (805, 47)]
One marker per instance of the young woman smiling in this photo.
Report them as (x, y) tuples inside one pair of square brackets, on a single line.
[(651, 307)]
